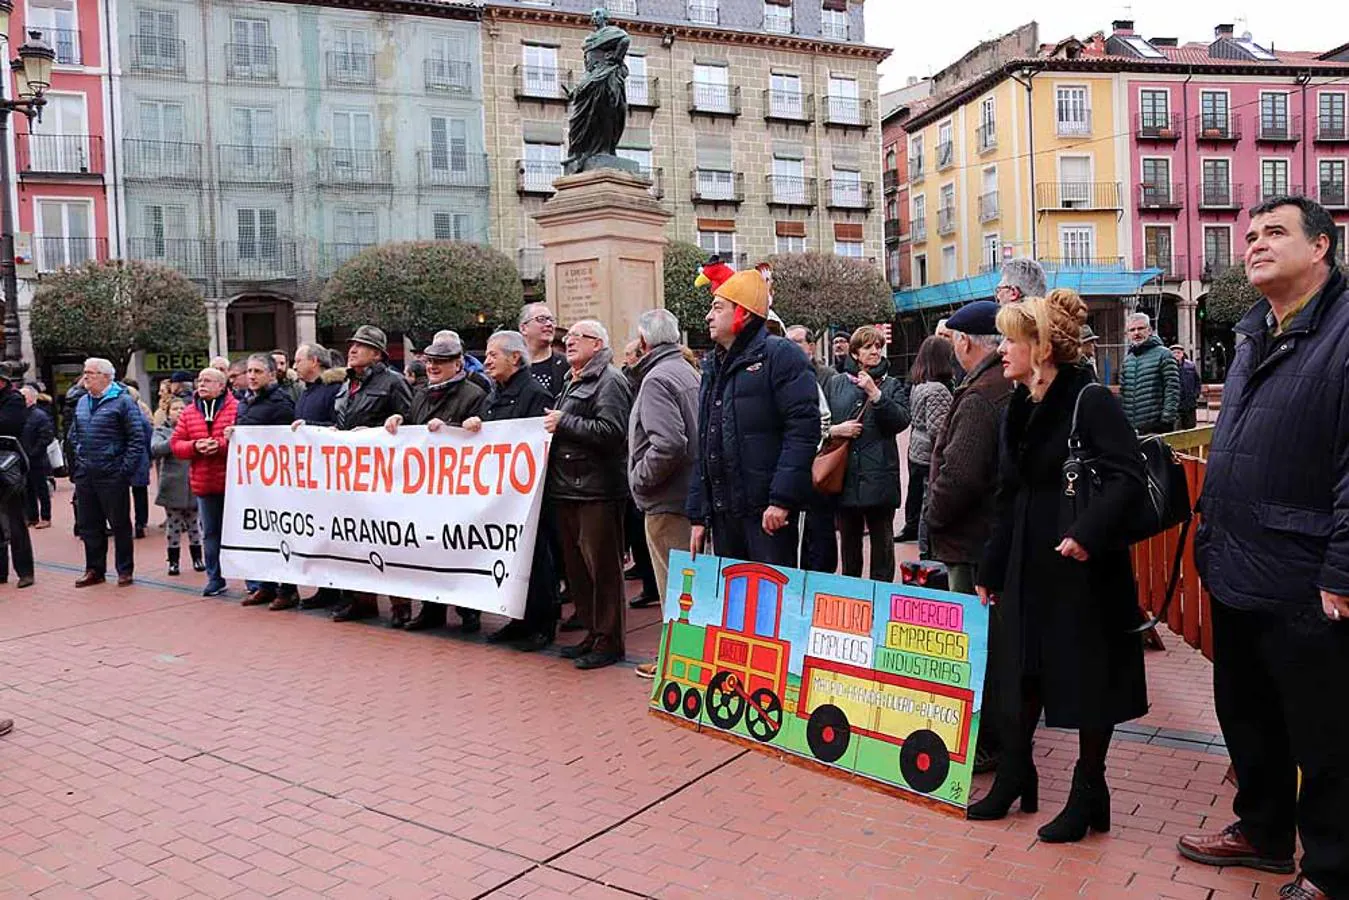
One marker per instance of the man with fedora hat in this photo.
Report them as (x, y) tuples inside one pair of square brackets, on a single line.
[(1089, 341), (371, 394), (449, 397)]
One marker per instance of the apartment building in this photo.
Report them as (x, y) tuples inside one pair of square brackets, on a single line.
[(896, 107), (757, 120)]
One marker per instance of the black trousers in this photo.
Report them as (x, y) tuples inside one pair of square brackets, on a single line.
[(99, 504), (141, 496), (592, 549), (38, 499), (880, 522), (1188, 419), (634, 532), (819, 540), (913, 503), (1278, 687), (744, 538), (17, 537)]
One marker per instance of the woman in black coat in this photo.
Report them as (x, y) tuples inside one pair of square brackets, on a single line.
[(1063, 585)]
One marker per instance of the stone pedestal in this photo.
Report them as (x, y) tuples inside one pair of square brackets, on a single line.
[(306, 322), (603, 238)]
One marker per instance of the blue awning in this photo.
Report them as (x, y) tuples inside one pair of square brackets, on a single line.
[(1089, 281)]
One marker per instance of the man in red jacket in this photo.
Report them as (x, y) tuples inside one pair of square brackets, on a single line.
[(200, 438)]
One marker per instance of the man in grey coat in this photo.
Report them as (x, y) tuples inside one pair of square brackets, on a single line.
[(662, 441)]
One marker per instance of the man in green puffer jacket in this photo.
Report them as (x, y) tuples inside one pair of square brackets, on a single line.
[(1149, 380)]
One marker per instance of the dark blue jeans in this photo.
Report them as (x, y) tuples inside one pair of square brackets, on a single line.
[(97, 506), (212, 512), (744, 538)]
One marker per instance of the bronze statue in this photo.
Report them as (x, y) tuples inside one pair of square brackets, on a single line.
[(599, 104)]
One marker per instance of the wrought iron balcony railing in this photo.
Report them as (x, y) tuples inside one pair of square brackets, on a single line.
[(448, 75), (846, 112), (159, 55), (1078, 195), (190, 256), (178, 161), (250, 62), (709, 99), (1154, 127), (264, 258), (788, 106), (347, 68), (442, 168), (536, 176), (52, 253), (246, 164), (59, 154), (790, 191), (355, 168)]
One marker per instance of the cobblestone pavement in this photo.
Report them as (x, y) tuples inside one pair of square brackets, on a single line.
[(171, 746)]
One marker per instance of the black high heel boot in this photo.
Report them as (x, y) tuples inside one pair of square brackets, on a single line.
[(175, 554), (1013, 782), (198, 564), (1088, 807)]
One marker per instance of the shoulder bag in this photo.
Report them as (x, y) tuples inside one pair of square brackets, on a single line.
[(830, 467)]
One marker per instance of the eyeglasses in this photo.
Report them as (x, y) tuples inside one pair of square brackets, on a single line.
[(575, 334), (542, 320)]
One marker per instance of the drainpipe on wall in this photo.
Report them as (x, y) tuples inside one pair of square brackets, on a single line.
[(1302, 81), (1189, 220), (110, 91), (1025, 81)]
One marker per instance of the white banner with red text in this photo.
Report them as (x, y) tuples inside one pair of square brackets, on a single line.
[(449, 517)]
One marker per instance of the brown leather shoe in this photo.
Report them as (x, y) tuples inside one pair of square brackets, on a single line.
[(90, 578), (260, 597), (285, 601), (124, 580), (1302, 889), (1229, 847)]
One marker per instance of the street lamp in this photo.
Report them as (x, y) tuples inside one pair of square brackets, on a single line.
[(33, 75)]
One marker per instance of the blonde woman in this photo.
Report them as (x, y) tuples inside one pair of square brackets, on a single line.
[(1062, 586)]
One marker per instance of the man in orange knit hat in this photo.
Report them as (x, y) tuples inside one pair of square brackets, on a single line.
[(758, 425)]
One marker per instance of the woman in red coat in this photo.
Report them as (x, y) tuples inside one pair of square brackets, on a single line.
[(200, 438)]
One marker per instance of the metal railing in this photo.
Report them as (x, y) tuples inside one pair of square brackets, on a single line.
[(363, 168), (916, 169), (844, 194), (891, 230), (161, 55), (946, 155), (846, 112), (333, 255), (529, 260), (1078, 195), (1167, 263), (644, 92), (1217, 127), (262, 259), (791, 190), (1086, 263), (541, 83), (52, 253), (1220, 196), (188, 255), (1076, 125), (161, 160), (346, 67), (775, 22), (246, 164), (702, 13), (890, 180), (1280, 129), (1154, 127), (918, 230), (987, 136), (706, 98), (788, 106), (1269, 191), (535, 176), (988, 206), (713, 186), (66, 43), (1331, 129), (946, 220), (441, 168), (59, 154), (1215, 266), (250, 62), (1160, 195), (1333, 195), (455, 75)]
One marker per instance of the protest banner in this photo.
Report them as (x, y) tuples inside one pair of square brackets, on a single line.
[(881, 682), (449, 517)]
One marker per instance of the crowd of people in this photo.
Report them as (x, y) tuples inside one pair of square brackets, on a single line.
[(670, 450)]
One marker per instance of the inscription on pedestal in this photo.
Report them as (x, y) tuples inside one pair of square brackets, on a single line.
[(578, 290)]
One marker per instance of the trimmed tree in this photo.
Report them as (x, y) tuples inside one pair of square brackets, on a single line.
[(112, 309), (420, 287), (1231, 296), (688, 303), (820, 290)]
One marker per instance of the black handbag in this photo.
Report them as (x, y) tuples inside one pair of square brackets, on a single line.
[(13, 468)]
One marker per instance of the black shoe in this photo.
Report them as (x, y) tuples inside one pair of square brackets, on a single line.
[(1011, 784), (533, 643), (985, 760), (576, 651), (175, 553), (198, 564), (140, 532), (906, 536), (25, 581), (431, 615), (354, 612), (400, 616), (513, 630), (631, 574), (598, 659), (642, 601), (573, 624), (470, 621), (320, 599), (1088, 808)]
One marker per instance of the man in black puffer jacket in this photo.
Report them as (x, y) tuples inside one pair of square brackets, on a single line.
[(1273, 550), (13, 419), (1149, 380)]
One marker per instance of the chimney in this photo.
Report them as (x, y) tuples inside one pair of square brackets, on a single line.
[(1123, 27), (1165, 42), (1223, 31)]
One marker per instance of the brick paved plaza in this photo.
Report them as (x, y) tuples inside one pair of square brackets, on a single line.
[(171, 746)]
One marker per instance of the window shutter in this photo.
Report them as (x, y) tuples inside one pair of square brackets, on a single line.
[(844, 231), (544, 133), (636, 138), (791, 229), (847, 158), (722, 225), (836, 5), (714, 152), (779, 2), (789, 150)]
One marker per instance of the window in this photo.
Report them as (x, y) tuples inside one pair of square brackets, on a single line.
[(540, 70), (449, 145), (351, 56), (447, 226), (156, 44), (65, 236), (354, 226), (257, 235), (1274, 115), (791, 244), (719, 242), (853, 249), (1156, 185), (641, 157), (920, 270), (946, 209), (847, 189), (1075, 244), (638, 87), (1330, 116), (988, 125), (162, 149), (920, 217), (945, 148), (1157, 248), (916, 158), (251, 54), (988, 199), (1217, 250), (542, 166), (1342, 245), (1217, 184), (1154, 111), (1332, 179), (56, 20), (948, 264), (1213, 117), (711, 88), (1072, 111), (162, 224), (60, 142), (844, 102), (777, 18), (1273, 178), (892, 268), (789, 180), (834, 24), (785, 100), (252, 128), (991, 255), (704, 12), (1075, 181), (446, 63)]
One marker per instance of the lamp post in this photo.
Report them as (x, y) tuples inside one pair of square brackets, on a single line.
[(33, 72)]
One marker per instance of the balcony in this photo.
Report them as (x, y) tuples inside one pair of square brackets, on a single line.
[(161, 161), (946, 155), (716, 186), (345, 167), (1160, 128), (1333, 195), (918, 234), (849, 195), (1076, 125), (846, 112), (452, 76), (704, 13), (946, 220), (986, 137), (1270, 191), (892, 231), (1215, 266), (792, 107), (643, 93), (529, 260), (778, 22), (1279, 130), (1078, 195), (915, 169), (333, 256), (250, 62), (1331, 130), (52, 253), (890, 180), (1170, 266), (66, 43), (1162, 195), (188, 255), (60, 156), (1217, 129), (1220, 196), (545, 84), (988, 206), (345, 68), (791, 192), (260, 259), (243, 164), (157, 55), (715, 100), (443, 168), (535, 177)]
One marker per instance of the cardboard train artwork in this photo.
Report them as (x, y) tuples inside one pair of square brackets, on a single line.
[(877, 680)]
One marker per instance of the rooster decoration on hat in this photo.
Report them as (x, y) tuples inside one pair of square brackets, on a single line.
[(716, 272)]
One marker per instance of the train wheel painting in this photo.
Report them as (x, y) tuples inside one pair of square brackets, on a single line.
[(924, 761), (725, 703), (692, 703), (828, 733), (669, 697), (763, 718)]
